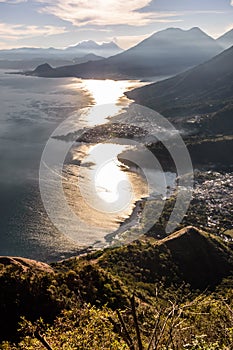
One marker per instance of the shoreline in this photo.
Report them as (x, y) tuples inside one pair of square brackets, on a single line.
[(128, 223), (93, 136)]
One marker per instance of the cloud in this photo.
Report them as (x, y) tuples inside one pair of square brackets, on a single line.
[(12, 1), (229, 27), (185, 5), (17, 31), (101, 12)]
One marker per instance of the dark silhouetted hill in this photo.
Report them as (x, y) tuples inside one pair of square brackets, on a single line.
[(206, 88)]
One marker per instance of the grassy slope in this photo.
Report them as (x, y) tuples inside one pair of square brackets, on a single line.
[(190, 255), (108, 277)]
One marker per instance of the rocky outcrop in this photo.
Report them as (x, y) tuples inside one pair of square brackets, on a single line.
[(25, 264)]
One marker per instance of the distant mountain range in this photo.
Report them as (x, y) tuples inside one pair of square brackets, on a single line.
[(53, 61), (81, 49), (29, 57), (86, 47), (164, 53)]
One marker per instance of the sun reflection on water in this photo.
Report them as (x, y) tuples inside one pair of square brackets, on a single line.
[(99, 192), (106, 97), (107, 91), (109, 180), (112, 190)]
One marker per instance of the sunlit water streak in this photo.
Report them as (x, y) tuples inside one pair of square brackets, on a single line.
[(106, 93), (31, 109), (101, 194), (96, 187)]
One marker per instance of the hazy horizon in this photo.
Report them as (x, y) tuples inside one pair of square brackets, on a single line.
[(26, 23), (112, 41)]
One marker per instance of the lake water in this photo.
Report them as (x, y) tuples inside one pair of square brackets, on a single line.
[(31, 109)]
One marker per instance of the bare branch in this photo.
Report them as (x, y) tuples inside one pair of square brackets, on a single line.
[(42, 340), (135, 318)]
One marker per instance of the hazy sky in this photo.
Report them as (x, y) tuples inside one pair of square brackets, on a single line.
[(61, 23)]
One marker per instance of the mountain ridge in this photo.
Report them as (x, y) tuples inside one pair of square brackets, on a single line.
[(187, 250), (178, 268), (83, 48), (192, 256), (209, 81), (166, 52), (226, 40)]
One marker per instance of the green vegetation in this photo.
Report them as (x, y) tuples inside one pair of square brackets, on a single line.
[(175, 293)]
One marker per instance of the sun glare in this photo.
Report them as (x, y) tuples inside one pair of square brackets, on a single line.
[(112, 186), (105, 91)]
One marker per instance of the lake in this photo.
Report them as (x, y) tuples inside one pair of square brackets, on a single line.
[(31, 110)]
